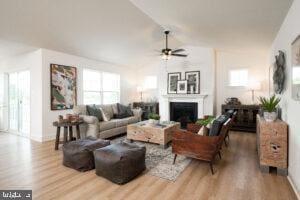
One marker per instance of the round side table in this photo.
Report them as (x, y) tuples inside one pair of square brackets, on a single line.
[(68, 128)]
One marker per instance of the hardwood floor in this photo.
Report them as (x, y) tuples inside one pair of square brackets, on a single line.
[(37, 166)]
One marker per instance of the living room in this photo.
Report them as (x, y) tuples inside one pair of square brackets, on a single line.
[(149, 99)]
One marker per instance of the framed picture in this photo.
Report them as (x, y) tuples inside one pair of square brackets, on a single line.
[(63, 87), (182, 87), (296, 69), (193, 82), (173, 78)]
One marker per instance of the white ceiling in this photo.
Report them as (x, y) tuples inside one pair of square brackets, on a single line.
[(120, 32), (112, 30), (226, 24)]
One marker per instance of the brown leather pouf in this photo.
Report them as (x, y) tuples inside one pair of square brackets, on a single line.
[(79, 155), (121, 162)]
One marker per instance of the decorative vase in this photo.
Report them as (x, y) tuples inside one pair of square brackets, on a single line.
[(270, 116), (153, 121)]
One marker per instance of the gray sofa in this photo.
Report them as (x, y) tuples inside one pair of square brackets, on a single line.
[(105, 129)]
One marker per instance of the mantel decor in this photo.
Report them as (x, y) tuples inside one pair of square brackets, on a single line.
[(63, 87), (189, 85), (193, 82), (173, 78), (182, 87)]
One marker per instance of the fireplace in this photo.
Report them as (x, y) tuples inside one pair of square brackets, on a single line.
[(183, 112)]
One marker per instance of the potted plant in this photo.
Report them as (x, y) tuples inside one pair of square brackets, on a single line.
[(269, 106), (153, 118)]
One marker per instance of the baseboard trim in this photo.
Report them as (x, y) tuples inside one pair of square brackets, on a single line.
[(293, 186), (49, 137)]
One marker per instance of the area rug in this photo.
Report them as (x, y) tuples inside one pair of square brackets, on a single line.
[(159, 161)]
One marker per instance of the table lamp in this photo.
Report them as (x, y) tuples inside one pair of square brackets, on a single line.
[(140, 89), (254, 86)]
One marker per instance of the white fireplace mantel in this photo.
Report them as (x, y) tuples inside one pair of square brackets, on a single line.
[(166, 99)]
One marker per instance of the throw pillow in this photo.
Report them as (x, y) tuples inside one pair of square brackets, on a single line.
[(115, 108), (92, 110), (120, 115), (200, 132), (125, 110), (217, 125), (105, 115)]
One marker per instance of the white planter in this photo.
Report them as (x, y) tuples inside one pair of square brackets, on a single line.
[(153, 121), (270, 116)]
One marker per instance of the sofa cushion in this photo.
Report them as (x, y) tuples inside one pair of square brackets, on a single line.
[(92, 110), (126, 110), (107, 125), (120, 122), (108, 109), (105, 115), (217, 125), (131, 120)]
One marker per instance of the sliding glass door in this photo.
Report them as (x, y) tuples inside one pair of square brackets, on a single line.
[(3, 102), (19, 102)]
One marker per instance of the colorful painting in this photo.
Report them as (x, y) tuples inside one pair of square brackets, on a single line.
[(63, 87)]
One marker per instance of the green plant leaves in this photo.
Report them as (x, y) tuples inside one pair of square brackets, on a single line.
[(269, 104)]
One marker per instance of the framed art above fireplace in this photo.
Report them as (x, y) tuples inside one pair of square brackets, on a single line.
[(173, 78), (193, 82)]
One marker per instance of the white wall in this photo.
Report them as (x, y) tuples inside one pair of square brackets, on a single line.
[(127, 83), (29, 61), (199, 59), (38, 62), (291, 109), (256, 62)]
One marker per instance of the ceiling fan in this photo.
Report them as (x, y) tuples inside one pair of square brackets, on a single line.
[(166, 53)]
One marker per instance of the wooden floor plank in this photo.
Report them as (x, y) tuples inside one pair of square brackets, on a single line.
[(31, 165)]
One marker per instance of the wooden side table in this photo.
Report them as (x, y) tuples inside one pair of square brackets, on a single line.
[(68, 128)]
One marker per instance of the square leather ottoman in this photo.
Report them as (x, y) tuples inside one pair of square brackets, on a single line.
[(121, 162), (79, 154)]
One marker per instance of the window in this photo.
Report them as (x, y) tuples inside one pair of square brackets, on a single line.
[(238, 77), (150, 82), (100, 87)]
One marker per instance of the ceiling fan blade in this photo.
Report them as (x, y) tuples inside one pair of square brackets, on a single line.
[(179, 55), (178, 50)]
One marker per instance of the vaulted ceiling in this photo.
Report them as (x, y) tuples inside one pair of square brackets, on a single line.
[(128, 32), (226, 24)]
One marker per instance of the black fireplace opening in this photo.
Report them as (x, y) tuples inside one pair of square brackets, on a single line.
[(183, 112)]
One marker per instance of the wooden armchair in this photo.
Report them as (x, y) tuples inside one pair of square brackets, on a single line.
[(205, 148)]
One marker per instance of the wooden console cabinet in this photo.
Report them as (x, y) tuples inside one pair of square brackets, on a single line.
[(245, 118), (147, 107), (272, 145)]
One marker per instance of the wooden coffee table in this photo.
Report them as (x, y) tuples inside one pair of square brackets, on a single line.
[(158, 134)]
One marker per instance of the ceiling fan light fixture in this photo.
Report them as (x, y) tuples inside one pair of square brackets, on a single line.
[(165, 57)]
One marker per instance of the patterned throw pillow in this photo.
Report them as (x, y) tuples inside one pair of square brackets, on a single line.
[(92, 110), (124, 110), (105, 115)]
